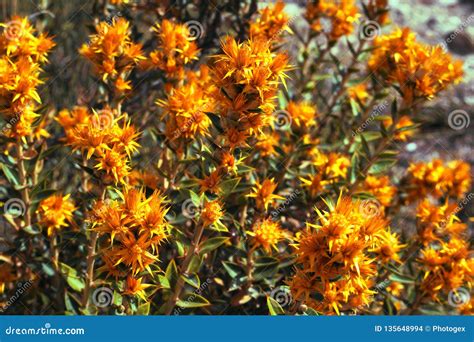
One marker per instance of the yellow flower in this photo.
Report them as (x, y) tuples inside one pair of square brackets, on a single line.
[(334, 257), (388, 246), (341, 13), (135, 226), (303, 114), (55, 212), (381, 188), (211, 183), (267, 234), (175, 49), (437, 179), (115, 166), (185, 111), (266, 143), (211, 213), (403, 129), (358, 92), (113, 53), (419, 70), (22, 53), (134, 287), (246, 77), (263, 193), (271, 23)]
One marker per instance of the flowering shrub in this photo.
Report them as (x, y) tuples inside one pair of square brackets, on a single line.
[(242, 166)]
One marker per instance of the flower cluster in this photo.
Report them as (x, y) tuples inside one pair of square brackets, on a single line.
[(110, 139), (336, 264), (132, 228), (113, 53), (438, 179), (246, 77), (22, 53), (267, 234), (55, 213), (329, 168), (186, 107), (420, 71), (175, 49), (271, 23), (342, 15)]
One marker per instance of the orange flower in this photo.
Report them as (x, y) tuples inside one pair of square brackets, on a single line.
[(271, 23), (267, 234), (175, 49), (113, 53), (246, 77), (55, 212), (263, 193), (419, 70), (211, 213)]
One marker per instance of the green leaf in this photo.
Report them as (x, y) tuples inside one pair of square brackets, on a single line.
[(164, 282), (195, 198), (10, 174), (233, 269), (192, 279), (172, 273), (73, 280), (311, 312), (212, 244), (274, 308), (228, 186), (47, 269), (401, 278), (195, 264), (192, 300), (117, 300), (143, 309)]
